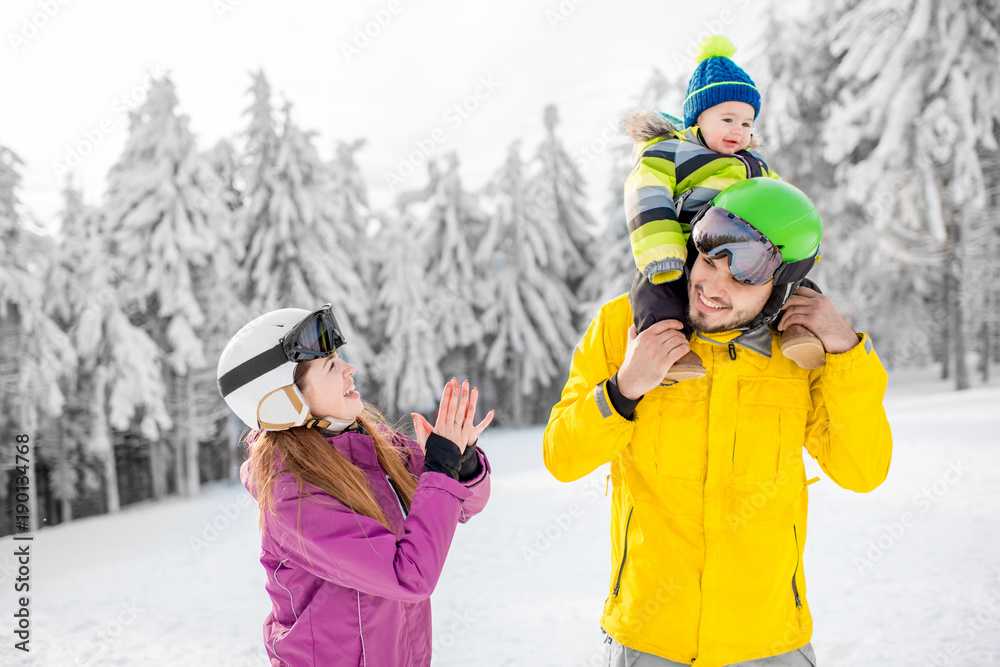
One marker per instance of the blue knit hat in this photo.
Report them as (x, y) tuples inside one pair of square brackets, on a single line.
[(717, 79)]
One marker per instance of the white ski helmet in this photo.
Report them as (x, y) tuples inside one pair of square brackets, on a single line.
[(256, 376)]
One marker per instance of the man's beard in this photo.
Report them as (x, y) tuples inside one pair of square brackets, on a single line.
[(737, 318)]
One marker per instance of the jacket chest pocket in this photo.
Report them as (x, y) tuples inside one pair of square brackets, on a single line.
[(770, 431), (672, 437)]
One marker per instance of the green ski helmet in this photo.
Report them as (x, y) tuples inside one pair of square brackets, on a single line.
[(782, 213), (769, 230)]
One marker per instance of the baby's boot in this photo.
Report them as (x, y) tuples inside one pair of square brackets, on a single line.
[(687, 367), (802, 347)]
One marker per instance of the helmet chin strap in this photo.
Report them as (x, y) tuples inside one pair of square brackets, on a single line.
[(334, 424), (756, 335), (772, 309)]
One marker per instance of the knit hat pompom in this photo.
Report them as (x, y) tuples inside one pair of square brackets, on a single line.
[(716, 45), (717, 79)]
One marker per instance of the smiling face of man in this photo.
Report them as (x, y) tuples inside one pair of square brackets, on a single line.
[(717, 301)]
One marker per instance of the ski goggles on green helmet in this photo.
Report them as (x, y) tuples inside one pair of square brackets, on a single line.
[(753, 258), (317, 335)]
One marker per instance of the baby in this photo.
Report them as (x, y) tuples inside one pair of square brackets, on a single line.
[(679, 168)]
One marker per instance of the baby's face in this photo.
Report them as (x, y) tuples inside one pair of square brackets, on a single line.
[(726, 127)]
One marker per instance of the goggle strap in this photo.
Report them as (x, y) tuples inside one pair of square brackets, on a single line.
[(794, 271), (307, 354), (251, 369)]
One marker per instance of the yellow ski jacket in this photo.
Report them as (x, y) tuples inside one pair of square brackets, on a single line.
[(708, 519)]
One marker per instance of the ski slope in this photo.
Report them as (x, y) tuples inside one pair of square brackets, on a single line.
[(907, 575)]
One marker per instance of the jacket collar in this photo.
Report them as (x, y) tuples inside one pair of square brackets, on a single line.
[(355, 445), (757, 343), (693, 134)]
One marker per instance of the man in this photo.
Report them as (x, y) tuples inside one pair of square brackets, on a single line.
[(708, 519)]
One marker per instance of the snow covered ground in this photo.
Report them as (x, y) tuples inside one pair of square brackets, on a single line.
[(907, 575)]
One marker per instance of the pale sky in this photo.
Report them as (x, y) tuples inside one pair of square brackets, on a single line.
[(70, 68)]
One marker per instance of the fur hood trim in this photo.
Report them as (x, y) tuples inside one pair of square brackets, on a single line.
[(643, 125)]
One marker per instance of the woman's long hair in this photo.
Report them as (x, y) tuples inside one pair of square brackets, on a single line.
[(312, 460)]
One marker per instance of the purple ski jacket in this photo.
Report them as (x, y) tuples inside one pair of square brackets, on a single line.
[(347, 591)]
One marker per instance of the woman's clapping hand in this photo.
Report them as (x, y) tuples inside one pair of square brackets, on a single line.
[(455, 417)]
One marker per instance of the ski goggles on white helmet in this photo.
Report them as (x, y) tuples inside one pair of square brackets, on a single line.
[(317, 335), (753, 258)]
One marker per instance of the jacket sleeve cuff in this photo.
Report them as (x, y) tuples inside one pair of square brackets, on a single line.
[(664, 270), (623, 406), (855, 356), (471, 465), (442, 455), (482, 470)]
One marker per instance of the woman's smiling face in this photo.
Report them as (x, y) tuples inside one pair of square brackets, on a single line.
[(328, 387)]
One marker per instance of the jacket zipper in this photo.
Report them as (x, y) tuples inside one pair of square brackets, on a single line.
[(732, 344), (621, 567), (399, 498), (746, 164), (795, 589)]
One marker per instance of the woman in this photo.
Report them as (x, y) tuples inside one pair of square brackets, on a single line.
[(356, 519)]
